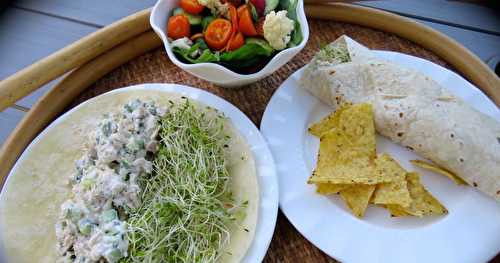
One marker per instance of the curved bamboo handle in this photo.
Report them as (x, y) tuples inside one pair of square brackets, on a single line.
[(65, 91), (41, 72), (464, 61)]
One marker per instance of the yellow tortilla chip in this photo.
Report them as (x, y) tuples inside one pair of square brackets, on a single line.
[(357, 197), (347, 151), (395, 192), (329, 122), (396, 210), (358, 123), (326, 189), (439, 170), (423, 203), (340, 161)]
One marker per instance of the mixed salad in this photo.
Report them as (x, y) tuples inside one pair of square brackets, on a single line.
[(241, 35)]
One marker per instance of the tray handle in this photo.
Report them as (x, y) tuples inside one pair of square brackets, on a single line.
[(27, 80)]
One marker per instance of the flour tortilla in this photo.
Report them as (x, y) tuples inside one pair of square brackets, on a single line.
[(30, 201), (413, 110)]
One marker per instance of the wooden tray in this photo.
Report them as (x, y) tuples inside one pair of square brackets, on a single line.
[(136, 57)]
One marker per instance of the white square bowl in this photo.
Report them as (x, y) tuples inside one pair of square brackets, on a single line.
[(216, 73)]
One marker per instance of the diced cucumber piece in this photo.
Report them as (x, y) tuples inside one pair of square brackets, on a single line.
[(193, 19), (73, 213), (270, 6), (87, 183), (109, 215), (113, 255), (178, 11), (85, 226)]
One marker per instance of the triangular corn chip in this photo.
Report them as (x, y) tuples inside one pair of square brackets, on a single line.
[(347, 151), (329, 122), (326, 189), (423, 203), (340, 161), (395, 192), (357, 197), (436, 169)]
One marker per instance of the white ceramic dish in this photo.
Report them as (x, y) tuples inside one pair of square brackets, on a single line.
[(469, 233), (216, 73), (266, 172)]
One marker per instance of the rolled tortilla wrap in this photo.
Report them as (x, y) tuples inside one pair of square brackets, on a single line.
[(411, 109)]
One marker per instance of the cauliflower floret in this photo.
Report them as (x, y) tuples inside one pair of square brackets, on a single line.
[(277, 29), (216, 6), (182, 43)]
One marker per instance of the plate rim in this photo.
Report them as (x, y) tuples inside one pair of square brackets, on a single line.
[(266, 119)]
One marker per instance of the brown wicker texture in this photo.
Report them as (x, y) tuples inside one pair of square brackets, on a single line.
[(155, 67)]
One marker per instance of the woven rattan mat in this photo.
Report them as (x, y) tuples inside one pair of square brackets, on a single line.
[(155, 67)]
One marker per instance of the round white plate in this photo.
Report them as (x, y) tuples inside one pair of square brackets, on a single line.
[(266, 172), (469, 233)]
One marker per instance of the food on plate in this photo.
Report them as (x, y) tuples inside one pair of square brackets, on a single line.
[(347, 165), (241, 35), (434, 168), (410, 109), (158, 178), (357, 197), (328, 188), (422, 202), (347, 151), (396, 191)]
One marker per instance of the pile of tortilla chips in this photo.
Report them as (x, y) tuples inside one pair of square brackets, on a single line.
[(348, 165)]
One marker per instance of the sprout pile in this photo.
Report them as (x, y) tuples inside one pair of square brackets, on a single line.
[(186, 203)]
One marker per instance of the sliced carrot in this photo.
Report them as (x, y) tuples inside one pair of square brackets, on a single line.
[(218, 33), (240, 10), (245, 24), (196, 36), (234, 22), (178, 27), (191, 6), (236, 42)]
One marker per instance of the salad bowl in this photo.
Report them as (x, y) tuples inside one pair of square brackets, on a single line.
[(216, 73)]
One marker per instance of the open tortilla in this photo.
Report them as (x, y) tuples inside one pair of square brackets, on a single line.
[(36, 187), (410, 109)]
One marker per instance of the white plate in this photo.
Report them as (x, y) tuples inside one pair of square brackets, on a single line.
[(266, 172), (469, 233)]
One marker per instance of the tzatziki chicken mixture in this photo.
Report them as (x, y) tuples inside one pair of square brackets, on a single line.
[(105, 185)]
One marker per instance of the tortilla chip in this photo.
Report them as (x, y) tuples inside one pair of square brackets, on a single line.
[(326, 189), (436, 169), (347, 151), (329, 122), (341, 161), (396, 210), (357, 197), (357, 121), (423, 203), (395, 192)]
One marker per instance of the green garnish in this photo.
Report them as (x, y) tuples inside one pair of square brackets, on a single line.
[(330, 53), (185, 203)]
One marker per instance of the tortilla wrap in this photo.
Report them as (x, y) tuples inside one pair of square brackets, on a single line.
[(37, 186), (413, 110)]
